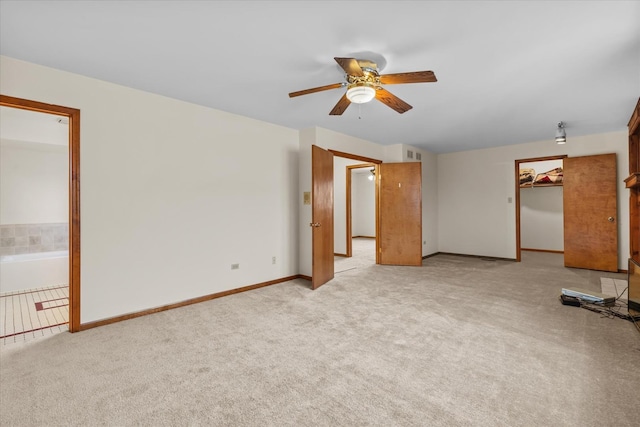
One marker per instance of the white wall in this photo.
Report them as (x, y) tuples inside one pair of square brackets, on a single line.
[(363, 205), (541, 212), (474, 188), (171, 193), (305, 256), (541, 218), (34, 183)]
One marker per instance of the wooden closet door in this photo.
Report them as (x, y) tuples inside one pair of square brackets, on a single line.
[(400, 216), (590, 212)]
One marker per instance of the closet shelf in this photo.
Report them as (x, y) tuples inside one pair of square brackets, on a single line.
[(529, 185)]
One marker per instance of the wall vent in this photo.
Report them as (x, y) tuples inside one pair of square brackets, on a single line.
[(409, 154), (418, 156)]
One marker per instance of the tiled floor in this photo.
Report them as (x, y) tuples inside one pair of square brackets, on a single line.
[(33, 313), (614, 287), (618, 289)]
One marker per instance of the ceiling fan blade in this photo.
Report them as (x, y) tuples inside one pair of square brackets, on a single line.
[(341, 106), (350, 66), (414, 77), (315, 89), (392, 101)]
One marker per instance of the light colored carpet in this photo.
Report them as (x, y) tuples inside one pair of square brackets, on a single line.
[(457, 342), (363, 254)]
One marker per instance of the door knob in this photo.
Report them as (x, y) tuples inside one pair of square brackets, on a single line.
[(611, 219), (314, 224)]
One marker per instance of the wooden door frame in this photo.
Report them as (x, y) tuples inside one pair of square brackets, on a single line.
[(517, 180), (374, 162), (73, 115), (349, 169)]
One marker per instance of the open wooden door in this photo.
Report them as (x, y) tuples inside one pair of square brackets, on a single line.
[(400, 214), (322, 216), (590, 211)]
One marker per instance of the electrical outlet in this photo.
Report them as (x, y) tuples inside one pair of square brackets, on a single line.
[(424, 242), (235, 266), (273, 260)]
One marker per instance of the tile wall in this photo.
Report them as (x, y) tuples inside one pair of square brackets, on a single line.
[(28, 238)]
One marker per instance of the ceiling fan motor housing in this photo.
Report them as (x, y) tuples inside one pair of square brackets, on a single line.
[(362, 89)]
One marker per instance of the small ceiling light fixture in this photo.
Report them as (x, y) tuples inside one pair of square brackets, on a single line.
[(373, 175), (561, 135), (360, 94)]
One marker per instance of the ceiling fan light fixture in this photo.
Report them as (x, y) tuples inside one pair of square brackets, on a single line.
[(360, 94), (561, 134)]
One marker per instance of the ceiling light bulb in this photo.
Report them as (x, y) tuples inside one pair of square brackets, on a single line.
[(361, 94), (561, 135)]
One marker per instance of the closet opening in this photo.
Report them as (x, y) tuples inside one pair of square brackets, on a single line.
[(539, 205)]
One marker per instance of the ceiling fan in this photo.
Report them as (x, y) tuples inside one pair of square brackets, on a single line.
[(363, 83)]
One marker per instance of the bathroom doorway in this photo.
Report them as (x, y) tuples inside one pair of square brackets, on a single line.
[(40, 218)]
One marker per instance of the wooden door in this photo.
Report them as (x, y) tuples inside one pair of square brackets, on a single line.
[(322, 216), (590, 212), (400, 214)]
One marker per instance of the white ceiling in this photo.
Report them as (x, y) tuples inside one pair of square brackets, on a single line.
[(507, 72)]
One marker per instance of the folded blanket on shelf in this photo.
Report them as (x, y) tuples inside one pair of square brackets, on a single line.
[(550, 177), (526, 175)]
